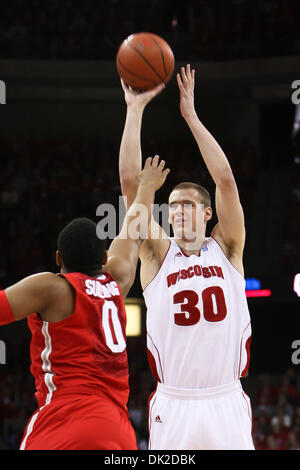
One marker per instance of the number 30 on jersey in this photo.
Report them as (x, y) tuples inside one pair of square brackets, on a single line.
[(214, 306)]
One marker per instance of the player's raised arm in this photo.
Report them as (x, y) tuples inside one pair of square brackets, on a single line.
[(230, 230), (124, 250), (130, 164), (130, 156)]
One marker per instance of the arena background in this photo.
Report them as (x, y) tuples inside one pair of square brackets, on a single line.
[(60, 134)]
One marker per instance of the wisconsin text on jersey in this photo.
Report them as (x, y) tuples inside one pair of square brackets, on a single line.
[(196, 270)]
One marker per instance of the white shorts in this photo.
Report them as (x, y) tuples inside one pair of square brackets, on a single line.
[(217, 418)]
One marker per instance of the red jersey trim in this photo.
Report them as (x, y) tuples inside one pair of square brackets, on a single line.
[(227, 258), (245, 371), (6, 313), (186, 255)]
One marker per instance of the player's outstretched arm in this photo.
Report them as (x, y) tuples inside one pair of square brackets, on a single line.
[(230, 230), (124, 251), (130, 155), (37, 293), (130, 164)]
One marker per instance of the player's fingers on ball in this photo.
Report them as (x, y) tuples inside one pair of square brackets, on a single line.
[(159, 88), (125, 88)]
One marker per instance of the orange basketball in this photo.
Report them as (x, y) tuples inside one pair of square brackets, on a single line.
[(145, 60)]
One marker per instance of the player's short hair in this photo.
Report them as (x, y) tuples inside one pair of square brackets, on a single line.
[(80, 248), (204, 194)]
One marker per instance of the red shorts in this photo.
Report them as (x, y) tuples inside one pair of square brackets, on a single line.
[(79, 422)]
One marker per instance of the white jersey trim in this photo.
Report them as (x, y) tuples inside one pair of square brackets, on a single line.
[(46, 363), (29, 429), (48, 379)]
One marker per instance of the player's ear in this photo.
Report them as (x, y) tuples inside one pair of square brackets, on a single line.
[(105, 258), (58, 258), (169, 215), (207, 214)]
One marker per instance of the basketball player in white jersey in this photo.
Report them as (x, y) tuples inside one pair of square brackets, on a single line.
[(198, 323)]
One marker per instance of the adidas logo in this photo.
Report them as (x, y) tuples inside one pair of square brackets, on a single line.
[(157, 419), (178, 254)]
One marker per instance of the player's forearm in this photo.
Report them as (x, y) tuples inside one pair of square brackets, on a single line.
[(213, 156), (130, 157), (143, 202)]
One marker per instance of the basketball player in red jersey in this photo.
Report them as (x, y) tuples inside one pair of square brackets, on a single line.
[(77, 320), (198, 323)]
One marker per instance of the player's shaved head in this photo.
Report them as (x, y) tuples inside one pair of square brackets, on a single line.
[(203, 193), (79, 247)]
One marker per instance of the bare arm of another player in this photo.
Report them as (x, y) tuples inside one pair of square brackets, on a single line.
[(130, 162), (42, 293), (230, 230), (124, 251), (130, 157)]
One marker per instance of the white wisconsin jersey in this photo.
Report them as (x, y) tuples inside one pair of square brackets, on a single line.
[(198, 322)]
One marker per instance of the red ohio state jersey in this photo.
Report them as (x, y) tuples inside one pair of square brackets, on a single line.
[(86, 352)]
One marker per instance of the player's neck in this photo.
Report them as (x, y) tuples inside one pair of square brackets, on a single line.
[(190, 248), (94, 274)]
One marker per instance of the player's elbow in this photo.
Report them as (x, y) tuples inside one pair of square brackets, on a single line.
[(226, 179), (128, 280), (129, 190), (127, 177)]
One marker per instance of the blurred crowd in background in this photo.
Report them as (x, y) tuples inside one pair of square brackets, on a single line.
[(93, 29), (276, 412)]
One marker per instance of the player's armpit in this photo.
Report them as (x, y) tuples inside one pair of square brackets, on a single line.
[(152, 253), (230, 230), (122, 262), (158, 241), (129, 189)]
